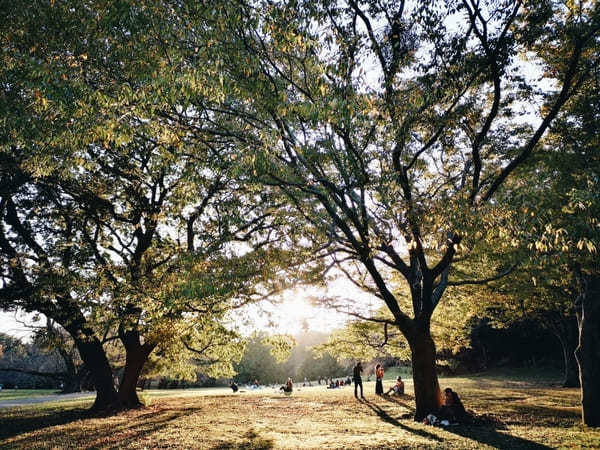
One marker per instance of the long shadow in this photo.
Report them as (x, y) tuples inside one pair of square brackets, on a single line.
[(398, 401), (546, 415), (251, 440), (482, 434), (144, 425), (38, 420), (383, 414), (492, 437), (12, 426)]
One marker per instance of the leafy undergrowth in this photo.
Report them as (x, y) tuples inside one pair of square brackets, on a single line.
[(535, 415)]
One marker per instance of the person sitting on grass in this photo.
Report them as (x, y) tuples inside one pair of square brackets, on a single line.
[(234, 387), (452, 412), (398, 388), (288, 387)]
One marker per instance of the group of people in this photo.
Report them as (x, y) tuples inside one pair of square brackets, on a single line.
[(334, 384), (451, 412), (397, 389)]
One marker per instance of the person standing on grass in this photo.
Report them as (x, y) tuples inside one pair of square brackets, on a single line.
[(358, 380), (378, 379)]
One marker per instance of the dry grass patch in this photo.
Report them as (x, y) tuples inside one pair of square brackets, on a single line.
[(535, 415)]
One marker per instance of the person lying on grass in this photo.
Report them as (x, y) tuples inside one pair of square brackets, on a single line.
[(288, 387), (398, 388), (452, 412)]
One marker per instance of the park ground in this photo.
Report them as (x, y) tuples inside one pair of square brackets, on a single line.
[(532, 412)]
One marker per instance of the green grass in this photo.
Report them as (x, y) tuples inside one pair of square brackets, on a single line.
[(18, 394), (536, 414)]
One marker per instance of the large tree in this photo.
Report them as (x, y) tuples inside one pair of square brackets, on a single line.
[(573, 232), (391, 127), (113, 217), (557, 223), (44, 269)]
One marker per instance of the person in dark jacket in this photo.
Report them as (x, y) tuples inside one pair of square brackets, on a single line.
[(379, 379), (452, 410), (357, 372)]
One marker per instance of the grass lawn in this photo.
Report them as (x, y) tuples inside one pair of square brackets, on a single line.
[(535, 414), (18, 394)]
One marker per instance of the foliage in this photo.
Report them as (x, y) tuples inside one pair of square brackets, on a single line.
[(374, 338), (140, 226), (259, 363), (397, 167)]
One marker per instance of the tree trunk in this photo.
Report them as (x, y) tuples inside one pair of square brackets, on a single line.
[(588, 350), (127, 388), (91, 352), (569, 344), (93, 355), (571, 378), (426, 386), (136, 356)]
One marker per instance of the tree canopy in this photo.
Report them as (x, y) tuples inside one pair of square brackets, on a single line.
[(165, 163)]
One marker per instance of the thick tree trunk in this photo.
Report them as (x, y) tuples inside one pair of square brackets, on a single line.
[(588, 350), (136, 356), (93, 355), (426, 385), (127, 387), (91, 352)]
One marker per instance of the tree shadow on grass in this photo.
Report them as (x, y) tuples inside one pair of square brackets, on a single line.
[(12, 426), (126, 432), (252, 440), (143, 424), (494, 438), (386, 417), (114, 436), (402, 401), (542, 415), (482, 434)]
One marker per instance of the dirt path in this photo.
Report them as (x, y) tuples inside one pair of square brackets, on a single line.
[(44, 399)]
